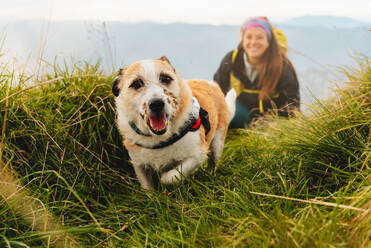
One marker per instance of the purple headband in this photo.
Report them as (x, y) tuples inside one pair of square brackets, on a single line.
[(258, 22)]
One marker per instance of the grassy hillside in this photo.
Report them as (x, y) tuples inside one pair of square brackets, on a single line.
[(303, 182)]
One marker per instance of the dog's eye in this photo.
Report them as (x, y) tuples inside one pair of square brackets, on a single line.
[(165, 79), (136, 84)]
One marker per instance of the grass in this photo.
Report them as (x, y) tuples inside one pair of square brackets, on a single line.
[(303, 182)]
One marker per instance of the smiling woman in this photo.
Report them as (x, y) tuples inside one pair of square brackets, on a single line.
[(260, 72), (255, 43)]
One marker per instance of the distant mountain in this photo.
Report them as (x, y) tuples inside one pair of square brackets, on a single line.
[(326, 21), (195, 50)]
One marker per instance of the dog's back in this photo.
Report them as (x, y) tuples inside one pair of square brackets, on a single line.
[(211, 98)]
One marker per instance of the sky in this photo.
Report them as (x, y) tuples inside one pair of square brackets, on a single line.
[(217, 12)]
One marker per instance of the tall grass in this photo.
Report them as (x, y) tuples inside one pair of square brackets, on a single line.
[(303, 182)]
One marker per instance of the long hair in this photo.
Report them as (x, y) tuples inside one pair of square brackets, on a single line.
[(271, 67)]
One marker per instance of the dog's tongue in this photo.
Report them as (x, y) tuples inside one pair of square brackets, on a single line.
[(158, 123)]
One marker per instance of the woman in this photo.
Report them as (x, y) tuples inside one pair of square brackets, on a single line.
[(261, 74)]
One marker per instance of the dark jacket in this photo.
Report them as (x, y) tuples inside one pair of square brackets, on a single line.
[(247, 105)]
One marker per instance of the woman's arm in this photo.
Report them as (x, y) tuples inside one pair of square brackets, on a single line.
[(222, 75), (288, 88)]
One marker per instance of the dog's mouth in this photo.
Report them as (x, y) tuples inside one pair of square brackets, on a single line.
[(157, 123)]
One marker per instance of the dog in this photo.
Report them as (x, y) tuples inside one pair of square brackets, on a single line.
[(168, 125)]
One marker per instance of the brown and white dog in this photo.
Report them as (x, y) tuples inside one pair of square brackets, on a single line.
[(168, 125)]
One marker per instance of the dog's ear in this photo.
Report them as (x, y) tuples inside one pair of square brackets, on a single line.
[(121, 71), (115, 87), (165, 59)]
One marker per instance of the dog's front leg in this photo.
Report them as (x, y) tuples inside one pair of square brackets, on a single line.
[(184, 169), (144, 176)]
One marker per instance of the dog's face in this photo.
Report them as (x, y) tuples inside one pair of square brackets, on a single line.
[(148, 94)]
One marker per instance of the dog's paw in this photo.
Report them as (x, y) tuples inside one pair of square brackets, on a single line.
[(171, 177), (147, 188)]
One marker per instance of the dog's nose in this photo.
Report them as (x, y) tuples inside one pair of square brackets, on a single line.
[(156, 105)]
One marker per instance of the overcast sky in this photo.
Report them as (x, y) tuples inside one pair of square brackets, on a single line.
[(190, 11)]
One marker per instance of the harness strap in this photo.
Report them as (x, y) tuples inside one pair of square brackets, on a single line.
[(191, 126), (137, 130), (204, 115)]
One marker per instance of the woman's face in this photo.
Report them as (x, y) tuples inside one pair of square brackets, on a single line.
[(255, 43)]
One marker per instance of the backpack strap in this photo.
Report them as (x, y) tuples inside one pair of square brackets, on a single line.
[(234, 55)]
